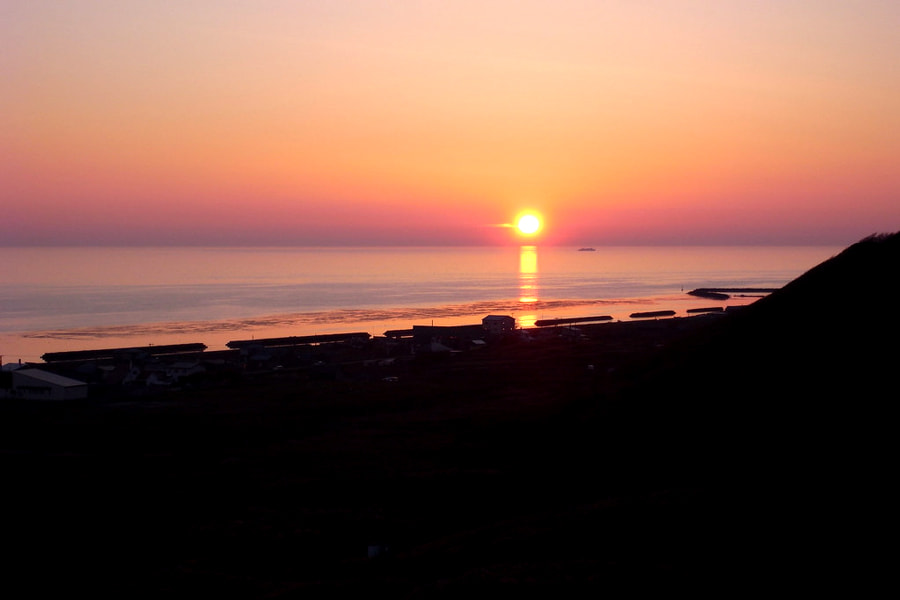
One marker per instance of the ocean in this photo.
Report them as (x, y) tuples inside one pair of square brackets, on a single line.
[(57, 299)]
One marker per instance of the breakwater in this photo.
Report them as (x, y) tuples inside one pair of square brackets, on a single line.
[(725, 292)]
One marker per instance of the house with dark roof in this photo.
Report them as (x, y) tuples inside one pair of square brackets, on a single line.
[(498, 325), (35, 384)]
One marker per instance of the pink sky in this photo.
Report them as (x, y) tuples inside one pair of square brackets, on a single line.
[(365, 122)]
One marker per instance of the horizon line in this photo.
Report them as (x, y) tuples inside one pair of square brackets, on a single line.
[(447, 245)]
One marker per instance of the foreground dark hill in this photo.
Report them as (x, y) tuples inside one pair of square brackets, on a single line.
[(721, 452), (828, 338), (788, 405), (832, 330), (816, 372)]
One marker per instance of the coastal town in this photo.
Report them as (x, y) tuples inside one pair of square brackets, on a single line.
[(139, 371)]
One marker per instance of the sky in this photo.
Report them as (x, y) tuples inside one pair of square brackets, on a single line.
[(354, 122)]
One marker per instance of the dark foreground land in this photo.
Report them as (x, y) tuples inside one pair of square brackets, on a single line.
[(719, 453)]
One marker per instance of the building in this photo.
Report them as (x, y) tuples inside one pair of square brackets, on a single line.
[(34, 384), (498, 325)]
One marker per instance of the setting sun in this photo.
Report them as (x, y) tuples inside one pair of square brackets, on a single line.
[(528, 224)]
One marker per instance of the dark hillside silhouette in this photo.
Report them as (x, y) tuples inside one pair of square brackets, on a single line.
[(787, 404), (816, 371)]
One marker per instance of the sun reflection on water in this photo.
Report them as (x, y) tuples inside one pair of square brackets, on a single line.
[(528, 283)]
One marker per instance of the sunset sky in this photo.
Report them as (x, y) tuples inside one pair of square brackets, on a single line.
[(434, 122)]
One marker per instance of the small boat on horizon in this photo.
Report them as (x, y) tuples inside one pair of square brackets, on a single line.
[(587, 249)]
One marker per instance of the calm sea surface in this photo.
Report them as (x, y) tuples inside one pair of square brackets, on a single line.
[(54, 299)]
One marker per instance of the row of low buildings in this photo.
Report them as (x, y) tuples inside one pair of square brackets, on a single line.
[(69, 375)]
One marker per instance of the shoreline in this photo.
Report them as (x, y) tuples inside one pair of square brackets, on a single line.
[(66, 300), (29, 346)]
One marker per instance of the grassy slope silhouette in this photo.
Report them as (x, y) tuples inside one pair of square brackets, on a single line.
[(787, 405)]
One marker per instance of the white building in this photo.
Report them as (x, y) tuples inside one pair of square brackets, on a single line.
[(34, 384)]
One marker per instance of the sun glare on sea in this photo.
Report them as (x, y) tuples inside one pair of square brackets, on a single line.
[(528, 224)]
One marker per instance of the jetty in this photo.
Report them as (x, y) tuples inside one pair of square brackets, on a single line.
[(724, 293), (570, 321), (107, 353), (652, 314), (301, 340)]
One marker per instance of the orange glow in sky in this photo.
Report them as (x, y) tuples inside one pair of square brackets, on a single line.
[(349, 122)]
